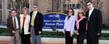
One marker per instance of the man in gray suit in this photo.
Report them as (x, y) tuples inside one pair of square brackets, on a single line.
[(36, 23), (13, 27)]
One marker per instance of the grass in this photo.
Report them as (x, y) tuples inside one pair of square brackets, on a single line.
[(4, 32), (52, 34), (105, 36)]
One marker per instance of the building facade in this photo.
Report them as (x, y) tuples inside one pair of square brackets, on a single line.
[(105, 12), (46, 6)]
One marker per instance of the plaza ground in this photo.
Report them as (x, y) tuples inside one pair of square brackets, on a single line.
[(46, 40)]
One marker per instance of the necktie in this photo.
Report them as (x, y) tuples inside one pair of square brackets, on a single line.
[(14, 23), (32, 21)]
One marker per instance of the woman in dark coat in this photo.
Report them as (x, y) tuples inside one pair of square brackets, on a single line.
[(81, 27)]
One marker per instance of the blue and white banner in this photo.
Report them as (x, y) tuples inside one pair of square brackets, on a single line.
[(54, 21)]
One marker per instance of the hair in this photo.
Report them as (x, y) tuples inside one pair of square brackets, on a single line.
[(35, 5), (10, 12), (13, 10), (25, 8), (90, 2), (80, 12), (70, 9)]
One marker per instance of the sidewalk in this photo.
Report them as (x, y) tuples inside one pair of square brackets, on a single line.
[(6, 40)]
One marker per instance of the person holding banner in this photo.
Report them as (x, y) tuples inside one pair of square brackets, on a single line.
[(69, 25)]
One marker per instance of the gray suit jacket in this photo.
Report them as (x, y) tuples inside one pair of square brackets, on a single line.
[(10, 26)]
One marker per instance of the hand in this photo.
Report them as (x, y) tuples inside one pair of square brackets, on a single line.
[(71, 33), (63, 32), (13, 32), (20, 31), (40, 32), (77, 33), (98, 34), (77, 28)]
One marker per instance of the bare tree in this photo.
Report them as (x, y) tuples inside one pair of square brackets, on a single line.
[(97, 4), (19, 4)]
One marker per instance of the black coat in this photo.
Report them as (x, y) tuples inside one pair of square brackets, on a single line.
[(38, 22), (82, 26), (94, 22)]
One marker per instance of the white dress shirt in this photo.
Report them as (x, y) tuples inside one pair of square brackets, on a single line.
[(69, 23), (90, 12), (17, 24)]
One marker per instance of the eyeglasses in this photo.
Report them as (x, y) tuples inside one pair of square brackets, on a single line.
[(34, 7), (69, 11)]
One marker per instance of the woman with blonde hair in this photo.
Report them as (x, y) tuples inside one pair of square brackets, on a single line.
[(24, 26), (81, 27)]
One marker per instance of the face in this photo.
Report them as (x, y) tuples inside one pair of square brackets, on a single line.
[(35, 8), (80, 15), (70, 12), (89, 5), (13, 13), (25, 11)]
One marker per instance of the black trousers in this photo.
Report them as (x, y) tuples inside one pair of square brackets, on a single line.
[(68, 38), (92, 39), (25, 39), (80, 38)]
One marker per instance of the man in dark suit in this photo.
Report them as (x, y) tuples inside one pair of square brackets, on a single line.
[(36, 23), (93, 24), (13, 26)]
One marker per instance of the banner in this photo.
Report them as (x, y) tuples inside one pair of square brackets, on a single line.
[(54, 21)]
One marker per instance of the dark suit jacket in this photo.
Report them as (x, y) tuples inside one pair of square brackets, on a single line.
[(38, 22), (94, 22), (10, 25)]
